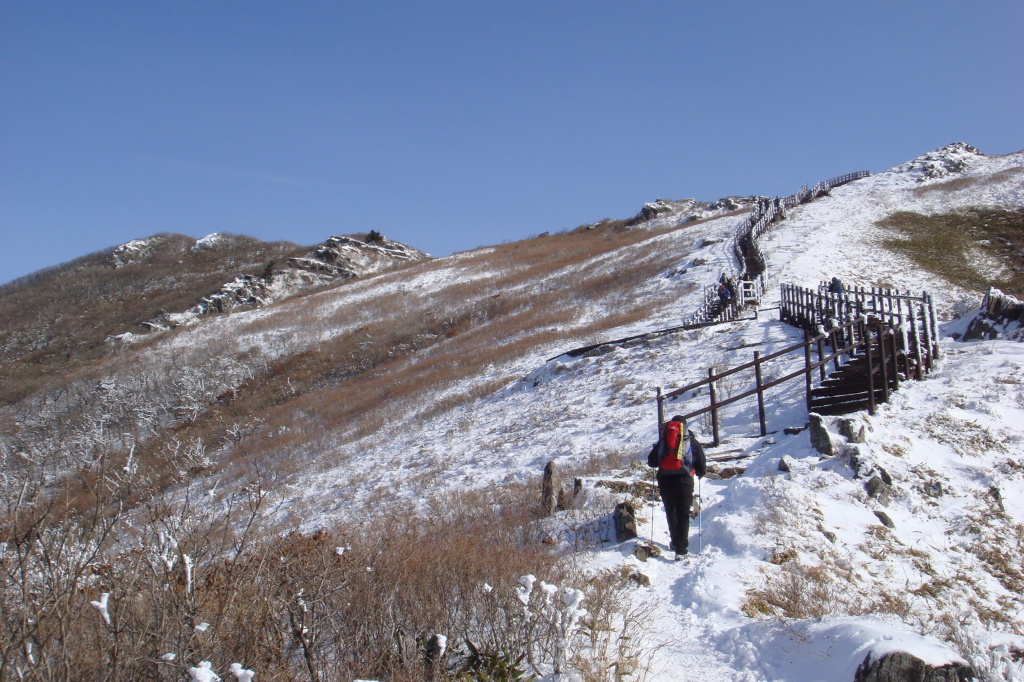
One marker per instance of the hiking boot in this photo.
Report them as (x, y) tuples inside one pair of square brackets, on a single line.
[(681, 556)]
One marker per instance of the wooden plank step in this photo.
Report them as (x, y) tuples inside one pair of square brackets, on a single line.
[(840, 408), (858, 383), (835, 391)]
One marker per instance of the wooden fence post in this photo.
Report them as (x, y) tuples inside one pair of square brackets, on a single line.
[(832, 335), (807, 365), (821, 354), (661, 411), (895, 362), (935, 330), (866, 340), (760, 393), (928, 323), (915, 348), (883, 328), (714, 406)]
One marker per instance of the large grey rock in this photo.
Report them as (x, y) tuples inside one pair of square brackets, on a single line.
[(730, 472), (884, 518), (899, 666), (854, 430), (644, 551), (640, 579), (850, 455), (625, 522), (821, 440), (878, 489)]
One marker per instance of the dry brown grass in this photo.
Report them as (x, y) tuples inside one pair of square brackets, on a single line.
[(56, 321), (968, 182), (946, 244), (341, 603), (346, 387), (327, 373)]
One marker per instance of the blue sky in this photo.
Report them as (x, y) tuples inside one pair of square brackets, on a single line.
[(451, 125)]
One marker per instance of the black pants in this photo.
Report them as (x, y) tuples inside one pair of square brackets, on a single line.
[(677, 496)]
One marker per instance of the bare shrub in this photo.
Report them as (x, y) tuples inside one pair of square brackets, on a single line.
[(616, 645), (116, 598)]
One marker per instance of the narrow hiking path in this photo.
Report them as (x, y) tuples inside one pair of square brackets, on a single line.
[(680, 598)]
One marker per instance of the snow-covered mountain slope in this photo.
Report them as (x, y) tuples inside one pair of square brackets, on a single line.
[(838, 236), (797, 579), (457, 366)]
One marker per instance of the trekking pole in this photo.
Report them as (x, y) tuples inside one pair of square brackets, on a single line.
[(652, 517)]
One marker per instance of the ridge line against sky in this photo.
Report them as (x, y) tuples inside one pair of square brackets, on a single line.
[(453, 125)]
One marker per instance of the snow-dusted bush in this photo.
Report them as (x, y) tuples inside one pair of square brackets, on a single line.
[(187, 588)]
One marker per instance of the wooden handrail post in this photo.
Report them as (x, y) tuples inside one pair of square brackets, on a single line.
[(895, 363), (926, 324), (882, 329), (821, 354), (661, 411), (760, 393), (914, 351), (714, 406), (934, 328), (866, 340), (807, 366)]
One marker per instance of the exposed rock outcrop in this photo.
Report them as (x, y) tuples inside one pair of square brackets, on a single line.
[(900, 666), (946, 161), (821, 440), (1000, 316), (338, 258), (690, 210), (625, 522), (551, 486)]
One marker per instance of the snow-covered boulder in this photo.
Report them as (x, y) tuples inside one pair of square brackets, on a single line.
[(899, 666), (1000, 316)]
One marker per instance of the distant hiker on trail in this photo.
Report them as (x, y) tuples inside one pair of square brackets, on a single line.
[(678, 456), (724, 293), (836, 286), (731, 286)]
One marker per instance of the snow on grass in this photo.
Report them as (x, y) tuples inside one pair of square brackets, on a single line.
[(772, 544), (951, 445)]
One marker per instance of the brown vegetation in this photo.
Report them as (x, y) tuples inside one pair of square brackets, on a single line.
[(57, 320), (945, 245), (94, 596)]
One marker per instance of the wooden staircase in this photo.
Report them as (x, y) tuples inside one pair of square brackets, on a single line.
[(868, 377)]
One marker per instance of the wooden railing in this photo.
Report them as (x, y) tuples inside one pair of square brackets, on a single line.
[(858, 340), (760, 385), (752, 263), (913, 316), (750, 282)]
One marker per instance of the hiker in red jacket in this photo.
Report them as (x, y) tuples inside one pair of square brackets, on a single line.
[(679, 457)]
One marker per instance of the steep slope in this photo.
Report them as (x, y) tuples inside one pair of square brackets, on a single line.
[(58, 319)]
